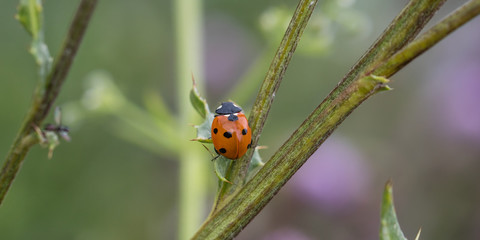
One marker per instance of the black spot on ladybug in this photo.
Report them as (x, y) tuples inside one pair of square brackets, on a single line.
[(227, 134), (244, 131), (222, 150), (215, 130), (232, 117), (250, 144)]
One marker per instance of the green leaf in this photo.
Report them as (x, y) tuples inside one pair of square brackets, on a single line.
[(30, 15), (204, 132), (383, 82), (390, 228), (221, 165), (255, 164), (198, 102)]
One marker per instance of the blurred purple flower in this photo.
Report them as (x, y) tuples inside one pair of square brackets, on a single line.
[(457, 99), (229, 51), (286, 234), (454, 86), (462, 109), (334, 178)]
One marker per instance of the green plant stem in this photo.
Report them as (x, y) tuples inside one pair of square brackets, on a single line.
[(428, 39), (193, 167), (238, 169), (45, 94), (403, 29), (356, 87)]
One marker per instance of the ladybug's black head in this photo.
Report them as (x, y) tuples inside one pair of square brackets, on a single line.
[(228, 108)]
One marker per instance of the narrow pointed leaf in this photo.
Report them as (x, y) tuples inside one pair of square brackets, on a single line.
[(390, 228), (198, 102), (255, 164), (221, 166), (204, 133)]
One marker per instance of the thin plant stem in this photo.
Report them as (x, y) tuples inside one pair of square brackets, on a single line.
[(193, 172), (238, 169), (45, 94), (428, 39)]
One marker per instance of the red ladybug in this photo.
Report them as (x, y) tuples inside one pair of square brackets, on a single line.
[(231, 134)]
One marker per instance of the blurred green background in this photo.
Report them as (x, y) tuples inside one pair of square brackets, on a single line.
[(424, 135)]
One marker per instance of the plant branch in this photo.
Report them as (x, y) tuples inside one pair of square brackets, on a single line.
[(357, 86), (428, 39), (45, 95), (403, 29), (193, 170), (238, 169)]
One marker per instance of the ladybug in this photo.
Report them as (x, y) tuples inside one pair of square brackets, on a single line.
[(231, 134)]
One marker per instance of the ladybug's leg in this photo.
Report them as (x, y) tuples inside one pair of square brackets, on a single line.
[(215, 157), (250, 144), (218, 155)]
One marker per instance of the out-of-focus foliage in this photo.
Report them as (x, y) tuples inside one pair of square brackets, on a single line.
[(331, 20)]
